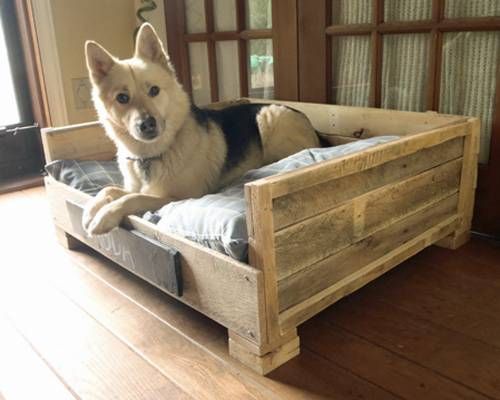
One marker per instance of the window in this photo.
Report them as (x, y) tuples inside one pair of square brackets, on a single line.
[(228, 50)]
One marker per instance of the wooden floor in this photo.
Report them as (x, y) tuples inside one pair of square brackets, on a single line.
[(73, 325)]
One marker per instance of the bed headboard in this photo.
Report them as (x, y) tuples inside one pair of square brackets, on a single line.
[(85, 141)]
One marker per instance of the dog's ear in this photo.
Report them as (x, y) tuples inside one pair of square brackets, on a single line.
[(148, 47), (99, 61)]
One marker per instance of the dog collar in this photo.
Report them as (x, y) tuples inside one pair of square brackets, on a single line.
[(145, 159)]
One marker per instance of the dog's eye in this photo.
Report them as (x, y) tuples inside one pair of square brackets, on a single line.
[(153, 91), (122, 98)]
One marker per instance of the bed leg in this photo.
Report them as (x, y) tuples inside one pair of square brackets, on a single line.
[(455, 240), (66, 240), (264, 359)]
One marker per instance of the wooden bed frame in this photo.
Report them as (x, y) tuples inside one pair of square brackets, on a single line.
[(315, 234)]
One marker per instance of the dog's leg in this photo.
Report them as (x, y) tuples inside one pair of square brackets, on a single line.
[(110, 215), (105, 196)]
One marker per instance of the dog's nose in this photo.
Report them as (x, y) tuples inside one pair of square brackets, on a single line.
[(148, 126)]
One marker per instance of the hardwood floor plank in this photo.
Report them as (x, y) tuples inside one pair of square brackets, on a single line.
[(440, 303), (23, 374), (380, 366), (460, 358), (92, 362)]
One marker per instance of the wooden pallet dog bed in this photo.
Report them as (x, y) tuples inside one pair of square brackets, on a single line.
[(316, 234)]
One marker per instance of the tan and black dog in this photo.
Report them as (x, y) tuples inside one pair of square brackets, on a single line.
[(168, 149)]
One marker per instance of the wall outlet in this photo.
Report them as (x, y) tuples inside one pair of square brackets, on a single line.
[(82, 93)]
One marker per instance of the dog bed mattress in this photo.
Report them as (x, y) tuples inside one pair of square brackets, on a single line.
[(216, 220)]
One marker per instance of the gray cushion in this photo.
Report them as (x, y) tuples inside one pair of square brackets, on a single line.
[(218, 220), (87, 176)]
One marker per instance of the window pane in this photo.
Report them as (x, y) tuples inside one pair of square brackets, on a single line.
[(407, 10), (260, 70), (471, 8), (259, 14), (200, 78), (228, 69), (9, 111), (468, 78), (351, 70), (225, 15), (195, 16), (351, 12), (404, 71)]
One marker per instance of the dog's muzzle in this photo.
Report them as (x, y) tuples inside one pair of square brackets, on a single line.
[(147, 128)]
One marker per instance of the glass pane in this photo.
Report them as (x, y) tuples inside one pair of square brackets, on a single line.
[(200, 78), (225, 15), (351, 12), (468, 78), (195, 16), (404, 71), (9, 112), (259, 14), (228, 69), (260, 70), (471, 8), (351, 70), (407, 10)]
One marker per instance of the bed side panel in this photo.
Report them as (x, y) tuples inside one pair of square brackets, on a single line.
[(77, 142), (224, 289)]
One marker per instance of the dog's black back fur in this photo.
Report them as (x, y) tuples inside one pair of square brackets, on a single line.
[(239, 125)]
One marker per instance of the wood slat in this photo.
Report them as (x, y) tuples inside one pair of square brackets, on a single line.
[(309, 241), (305, 283), (355, 163), (313, 200), (440, 219), (86, 141)]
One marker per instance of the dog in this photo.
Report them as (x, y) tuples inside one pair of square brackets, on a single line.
[(167, 148)]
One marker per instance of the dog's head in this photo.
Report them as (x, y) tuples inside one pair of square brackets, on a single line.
[(140, 97)]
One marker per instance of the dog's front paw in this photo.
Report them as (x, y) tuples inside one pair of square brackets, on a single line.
[(91, 210), (104, 221)]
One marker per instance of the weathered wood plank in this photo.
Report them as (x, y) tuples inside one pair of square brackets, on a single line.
[(392, 202), (316, 238), (468, 184), (344, 120), (313, 200), (311, 240), (443, 220), (317, 277), (316, 174), (77, 142)]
